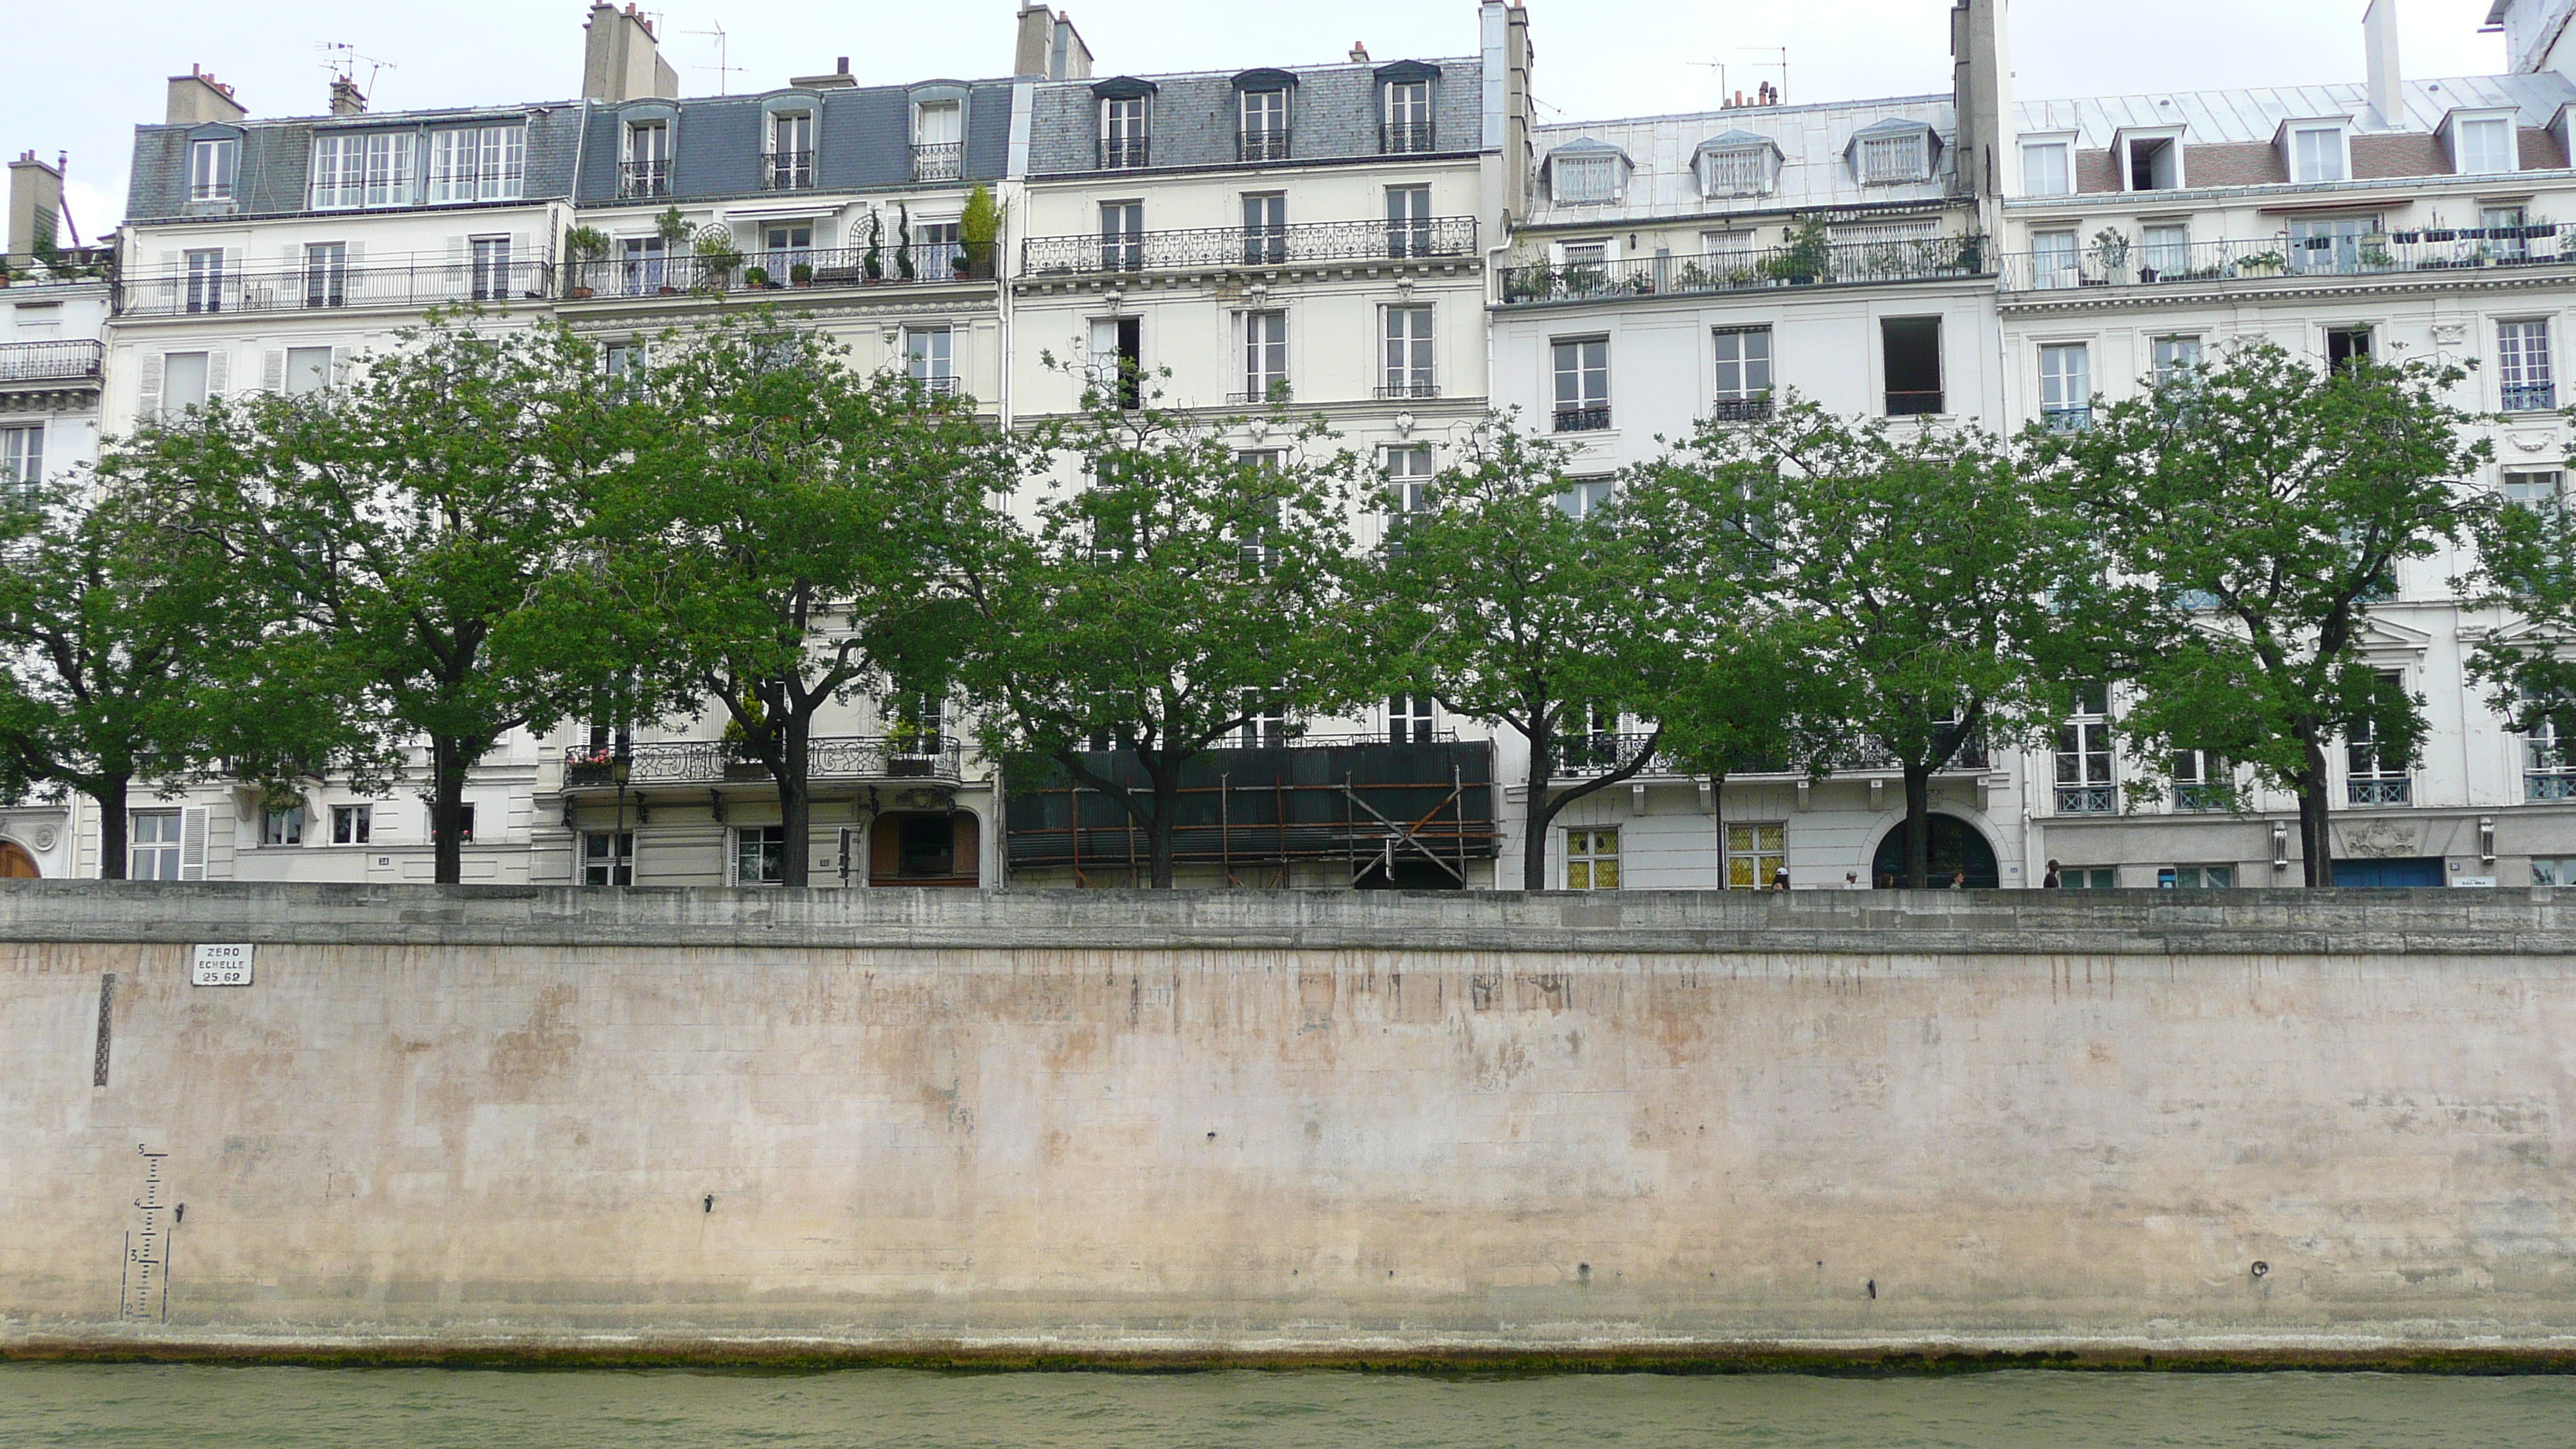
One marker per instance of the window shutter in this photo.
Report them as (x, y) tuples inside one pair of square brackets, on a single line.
[(147, 400), (219, 372), (233, 257), (290, 258), (192, 843), (356, 250), (272, 370)]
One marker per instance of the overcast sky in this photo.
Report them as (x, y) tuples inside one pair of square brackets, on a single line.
[(83, 74)]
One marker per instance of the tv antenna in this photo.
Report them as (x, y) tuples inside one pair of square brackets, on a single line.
[(721, 69), (343, 62)]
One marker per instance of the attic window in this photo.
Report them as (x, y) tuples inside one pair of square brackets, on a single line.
[(1891, 160), (2155, 163), (1584, 180), (2483, 147), (2316, 154), (1735, 171)]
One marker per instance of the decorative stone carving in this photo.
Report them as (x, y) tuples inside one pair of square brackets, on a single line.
[(2380, 840)]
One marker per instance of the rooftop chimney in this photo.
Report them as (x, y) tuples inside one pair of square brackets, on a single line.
[(35, 204), (1988, 159), (839, 79), (197, 97), (1359, 53), (346, 98), (2379, 47), (1050, 47), (620, 61)]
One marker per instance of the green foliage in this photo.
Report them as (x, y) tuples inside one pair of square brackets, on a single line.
[(979, 228), (2527, 566), (671, 225), (2287, 495), (1500, 603), (1809, 255), (1160, 602), (586, 244), (903, 242), (872, 262)]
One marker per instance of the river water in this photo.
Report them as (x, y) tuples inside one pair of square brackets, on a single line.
[(285, 1408)]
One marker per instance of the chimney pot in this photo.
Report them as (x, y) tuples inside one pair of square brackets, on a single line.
[(1359, 53)]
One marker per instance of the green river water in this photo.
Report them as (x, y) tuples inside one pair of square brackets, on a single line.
[(219, 1408)]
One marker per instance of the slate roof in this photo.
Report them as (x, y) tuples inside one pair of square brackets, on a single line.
[(1812, 141), (276, 160), (1333, 114)]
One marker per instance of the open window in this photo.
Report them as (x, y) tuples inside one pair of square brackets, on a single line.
[(2149, 159), (1118, 359), (1910, 350)]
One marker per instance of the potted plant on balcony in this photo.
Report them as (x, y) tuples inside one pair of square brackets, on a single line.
[(800, 274), (2111, 255), (717, 257), (2260, 264), (673, 229), (739, 760), (978, 228), (586, 247), (1807, 256), (903, 266), (757, 277), (872, 261)]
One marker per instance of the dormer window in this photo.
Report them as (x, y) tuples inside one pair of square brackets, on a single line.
[(1404, 107), (791, 151), (2048, 167), (1892, 153), (2315, 152), (1262, 121), (2484, 145), (645, 169), (1738, 164), (363, 169), (211, 164), (1586, 173), (2149, 160), (489, 163), (1126, 116), (938, 141)]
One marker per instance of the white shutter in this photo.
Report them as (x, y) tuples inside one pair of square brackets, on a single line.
[(219, 372), (290, 258), (272, 370), (192, 843), (733, 859), (147, 399)]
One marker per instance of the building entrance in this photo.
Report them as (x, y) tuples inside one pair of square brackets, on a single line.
[(1956, 846)]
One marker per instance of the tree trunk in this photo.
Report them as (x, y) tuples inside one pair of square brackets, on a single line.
[(111, 827), (1158, 831), (1717, 807), (795, 803), (1918, 825), (2314, 841), (1542, 770), (447, 809)]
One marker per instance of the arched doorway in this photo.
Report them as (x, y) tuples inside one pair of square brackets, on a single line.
[(16, 863), (1956, 846)]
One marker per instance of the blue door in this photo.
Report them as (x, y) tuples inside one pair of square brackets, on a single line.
[(2367, 874)]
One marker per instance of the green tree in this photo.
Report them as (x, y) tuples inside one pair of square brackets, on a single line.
[(1178, 590), (131, 654), (2526, 552), (1938, 601), (785, 538), (2270, 502), (425, 517), (1495, 598)]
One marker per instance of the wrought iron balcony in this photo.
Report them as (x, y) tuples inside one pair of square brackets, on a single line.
[(2426, 252), (2530, 397), (660, 763), (2557, 783), (2088, 799), (1261, 146), (939, 161), (1397, 390), (1923, 259), (60, 360), (790, 268), (1406, 138), (1234, 246), (1583, 420), (2195, 799), (1582, 756), (2380, 790), (303, 288), (1125, 154), (643, 178), (1741, 409), (790, 170)]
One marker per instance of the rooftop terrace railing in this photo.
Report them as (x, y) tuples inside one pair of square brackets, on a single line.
[(1234, 246), (2431, 251), (1924, 259), (325, 288), (787, 267)]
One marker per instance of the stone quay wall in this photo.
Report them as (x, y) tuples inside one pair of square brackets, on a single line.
[(1108, 1127)]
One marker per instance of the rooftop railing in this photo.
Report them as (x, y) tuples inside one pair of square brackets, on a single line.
[(784, 269), (696, 762), (1925, 259), (789, 170), (1234, 246), (643, 178), (330, 288), (1600, 754), (2432, 251), (60, 360), (939, 161)]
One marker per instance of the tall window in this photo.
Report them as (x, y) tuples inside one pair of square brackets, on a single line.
[(2066, 386), (1122, 235), (759, 854), (942, 253), (2175, 359), (2537, 491), (1265, 228), (938, 141), (308, 370), (1265, 357), (1408, 354), (22, 456), (608, 858), (2523, 366), (1408, 221), (1743, 374), (363, 169), (791, 151), (1911, 348), (1755, 855), (2167, 248), (152, 850), (928, 359), (1118, 359), (1263, 126), (211, 164), (2347, 347), (646, 170), (1265, 726), (2336, 244), (491, 277), (2483, 147), (646, 268), (1123, 141), (2377, 778), (2052, 259), (1407, 127), (785, 246), (326, 274), (489, 163), (206, 279), (2201, 781), (2548, 766), (1412, 719), (1582, 384), (2047, 169), (2504, 228), (1584, 495), (1408, 482), (1591, 860), (2317, 153), (2084, 784), (185, 380)]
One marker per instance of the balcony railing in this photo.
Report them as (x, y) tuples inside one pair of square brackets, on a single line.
[(790, 170), (2087, 799), (939, 161), (1923, 259), (1397, 390), (2198, 799), (1406, 138), (1126, 154), (2380, 790), (296, 290), (1261, 146), (791, 268), (1580, 756), (1741, 409), (1230, 246), (643, 178), (708, 762), (1583, 420), (2530, 397), (61, 360), (1915, 404), (2432, 252)]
